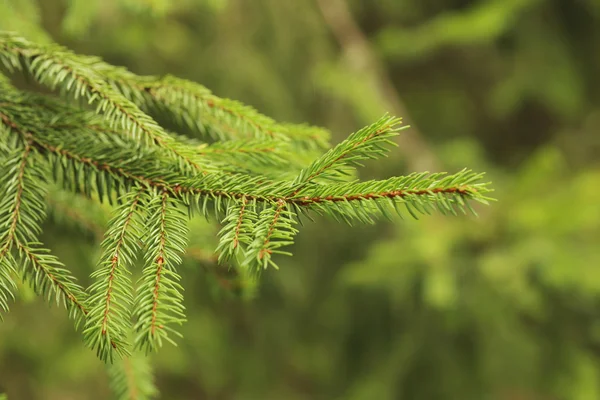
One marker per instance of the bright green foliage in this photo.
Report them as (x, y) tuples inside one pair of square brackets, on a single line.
[(273, 229), (111, 296), (161, 150), (238, 227), (158, 302), (365, 144), (272, 158), (22, 210), (7, 283)]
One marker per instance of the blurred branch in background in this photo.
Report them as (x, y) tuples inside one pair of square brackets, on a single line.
[(360, 57), (479, 23)]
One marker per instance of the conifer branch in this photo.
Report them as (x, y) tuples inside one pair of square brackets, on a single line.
[(159, 302), (75, 211), (118, 93), (13, 199), (70, 163), (22, 211), (223, 188), (420, 193), (253, 154), (252, 181), (193, 105), (274, 229), (108, 322), (7, 283), (54, 66), (47, 275), (238, 229), (367, 143)]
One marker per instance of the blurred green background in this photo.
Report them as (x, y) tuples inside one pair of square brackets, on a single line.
[(504, 306)]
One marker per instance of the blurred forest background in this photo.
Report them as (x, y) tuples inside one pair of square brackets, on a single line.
[(504, 306)]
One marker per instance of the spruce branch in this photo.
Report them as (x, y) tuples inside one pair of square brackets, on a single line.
[(420, 193), (7, 282), (85, 215), (159, 301), (194, 106), (127, 167), (262, 157), (110, 301), (274, 230), (56, 67), (21, 213), (367, 143), (69, 169), (120, 94), (238, 229), (48, 276), (256, 181), (12, 204), (224, 188)]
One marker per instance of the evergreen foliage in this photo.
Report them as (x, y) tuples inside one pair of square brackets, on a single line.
[(100, 139)]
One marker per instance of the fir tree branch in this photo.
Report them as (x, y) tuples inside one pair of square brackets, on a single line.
[(119, 93), (67, 161), (108, 321), (260, 153), (238, 228), (54, 66), (418, 192), (193, 105), (220, 188), (242, 215), (120, 153), (22, 212), (71, 210), (86, 215), (244, 186), (11, 205), (227, 187), (7, 283), (117, 165), (366, 143), (159, 302), (274, 229), (48, 276)]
